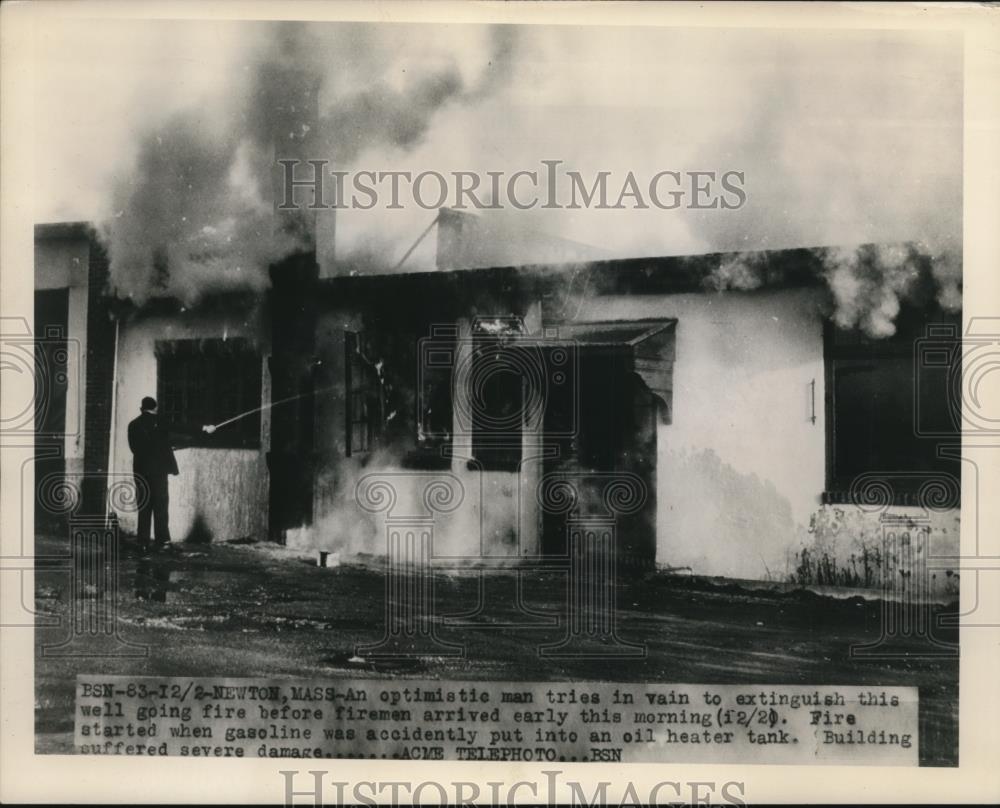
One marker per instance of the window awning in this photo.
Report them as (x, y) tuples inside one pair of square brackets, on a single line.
[(650, 344)]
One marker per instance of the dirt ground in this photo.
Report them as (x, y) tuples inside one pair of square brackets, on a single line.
[(235, 610)]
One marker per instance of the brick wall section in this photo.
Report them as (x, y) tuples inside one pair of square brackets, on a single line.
[(98, 382)]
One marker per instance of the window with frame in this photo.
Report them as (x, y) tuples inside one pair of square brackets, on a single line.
[(363, 398), (496, 394), (436, 357), (878, 406), (206, 382)]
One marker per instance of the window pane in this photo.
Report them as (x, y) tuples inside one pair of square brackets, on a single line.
[(203, 382), (873, 417)]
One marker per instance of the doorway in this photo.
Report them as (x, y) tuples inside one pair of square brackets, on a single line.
[(614, 438), (51, 379)]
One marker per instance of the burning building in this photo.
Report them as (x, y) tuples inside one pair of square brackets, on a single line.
[(746, 423), (753, 415), (713, 407)]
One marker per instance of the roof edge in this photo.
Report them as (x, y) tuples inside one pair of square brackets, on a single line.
[(52, 231)]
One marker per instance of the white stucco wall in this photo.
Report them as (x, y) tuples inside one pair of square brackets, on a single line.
[(496, 517), (221, 491), (741, 468)]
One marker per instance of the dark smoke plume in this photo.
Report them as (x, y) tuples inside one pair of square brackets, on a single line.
[(194, 215)]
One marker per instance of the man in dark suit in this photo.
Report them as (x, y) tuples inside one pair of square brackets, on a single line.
[(152, 460)]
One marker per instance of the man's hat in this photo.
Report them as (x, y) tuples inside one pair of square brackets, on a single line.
[(148, 403)]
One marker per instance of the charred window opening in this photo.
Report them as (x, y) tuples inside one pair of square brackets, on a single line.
[(496, 393), (436, 364), (201, 382), (364, 404), (881, 407)]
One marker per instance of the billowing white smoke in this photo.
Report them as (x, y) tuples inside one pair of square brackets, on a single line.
[(194, 217), (194, 213), (740, 271), (867, 285), (487, 517)]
